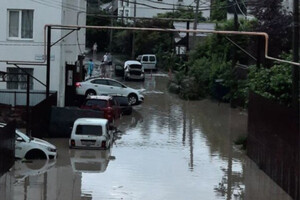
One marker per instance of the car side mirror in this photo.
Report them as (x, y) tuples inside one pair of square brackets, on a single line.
[(19, 139)]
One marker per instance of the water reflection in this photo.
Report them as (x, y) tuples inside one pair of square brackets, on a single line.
[(89, 161), (167, 149)]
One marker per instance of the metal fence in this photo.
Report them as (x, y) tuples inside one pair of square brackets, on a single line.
[(18, 97), (273, 142)]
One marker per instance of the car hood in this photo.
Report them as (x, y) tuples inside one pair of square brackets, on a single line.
[(42, 142)]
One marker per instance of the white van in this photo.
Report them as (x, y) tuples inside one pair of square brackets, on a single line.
[(91, 133), (148, 61)]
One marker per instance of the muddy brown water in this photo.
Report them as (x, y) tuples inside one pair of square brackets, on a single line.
[(167, 149)]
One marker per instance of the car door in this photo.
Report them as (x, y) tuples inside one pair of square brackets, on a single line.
[(21, 146), (101, 86), (116, 108), (117, 88)]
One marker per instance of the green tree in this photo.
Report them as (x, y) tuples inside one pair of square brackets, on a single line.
[(219, 10), (182, 13)]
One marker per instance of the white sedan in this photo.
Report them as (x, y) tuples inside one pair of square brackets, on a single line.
[(32, 148), (104, 86)]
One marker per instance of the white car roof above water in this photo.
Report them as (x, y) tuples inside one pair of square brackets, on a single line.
[(91, 121), (132, 62)]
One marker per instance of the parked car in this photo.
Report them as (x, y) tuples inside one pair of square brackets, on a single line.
[(91, 133), (133, 70), (107, 104), (148, 61), (32, 148), (98, 86), (126, 108)]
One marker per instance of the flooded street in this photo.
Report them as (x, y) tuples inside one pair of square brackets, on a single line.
[(167, 149)]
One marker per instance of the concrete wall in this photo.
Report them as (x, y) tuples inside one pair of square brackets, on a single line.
[(69, 12)]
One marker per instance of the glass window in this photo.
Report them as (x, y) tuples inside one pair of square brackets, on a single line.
[(89, 130), (123, 101), (145, 58), (100, 82), (152, 58), (96, 102), (115, 84), (20, 24), (17, 78)]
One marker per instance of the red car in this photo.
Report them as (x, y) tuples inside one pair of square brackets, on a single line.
[(106, 104)]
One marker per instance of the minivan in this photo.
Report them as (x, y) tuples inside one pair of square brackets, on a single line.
[(148, 61)]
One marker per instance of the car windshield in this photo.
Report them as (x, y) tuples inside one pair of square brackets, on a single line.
[(123, 101), (96, 102), (89, 130), (22, 135)]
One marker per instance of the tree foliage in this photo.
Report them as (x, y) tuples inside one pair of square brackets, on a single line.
[(182, 13), (96, 35), (275, 21), (219, 11)]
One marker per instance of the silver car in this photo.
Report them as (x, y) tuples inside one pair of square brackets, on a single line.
[(106, 86)]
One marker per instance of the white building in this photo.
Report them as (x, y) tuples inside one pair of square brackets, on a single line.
[(151, 8), (22, 39)]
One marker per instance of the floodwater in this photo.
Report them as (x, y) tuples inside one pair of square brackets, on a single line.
[(167, 149)]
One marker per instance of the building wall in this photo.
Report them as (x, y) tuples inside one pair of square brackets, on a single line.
[(151, 9), (56, 12)]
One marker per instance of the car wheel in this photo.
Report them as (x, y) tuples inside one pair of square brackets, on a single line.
[(90, 92), (132, 99), (35, 154)]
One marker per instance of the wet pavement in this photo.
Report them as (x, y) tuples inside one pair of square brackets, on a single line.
[(167, 149)]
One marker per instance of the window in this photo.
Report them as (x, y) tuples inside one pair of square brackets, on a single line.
[(100, 81), (89, 130), (152, 59), (115, 84), (17, 78), (20, 24), (145, 58)]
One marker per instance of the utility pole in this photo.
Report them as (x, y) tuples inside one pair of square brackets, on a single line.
[(196, 19), (296, 55), (236, 28), (111, 31), (133, 33)]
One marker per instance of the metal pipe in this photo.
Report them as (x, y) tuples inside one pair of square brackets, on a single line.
[(265, 35)]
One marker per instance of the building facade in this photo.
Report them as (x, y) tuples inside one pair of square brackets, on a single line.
[(22, 39), (150, 8)]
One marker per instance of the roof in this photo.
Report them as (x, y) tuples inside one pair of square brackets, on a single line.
[(132, 62), (93, 121)]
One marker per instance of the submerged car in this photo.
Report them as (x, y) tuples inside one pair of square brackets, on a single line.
[(99, 86), (107, 104), (133, 70), (91, 133), (32, 148)]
